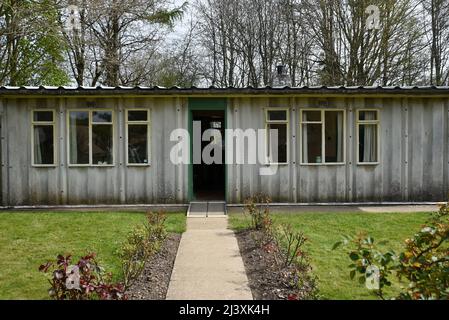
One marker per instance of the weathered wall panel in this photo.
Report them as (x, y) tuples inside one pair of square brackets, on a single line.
[(414, 154), (413, 158), (162, 182)]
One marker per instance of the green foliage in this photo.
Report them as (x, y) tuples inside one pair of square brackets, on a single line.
[(423, 264), (34, 48), (144, 241), (258, 209), (167, 17), (285, 244), (84, 280), (292, 245)]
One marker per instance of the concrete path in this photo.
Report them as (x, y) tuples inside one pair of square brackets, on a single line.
[(342, 208), (208, 265)]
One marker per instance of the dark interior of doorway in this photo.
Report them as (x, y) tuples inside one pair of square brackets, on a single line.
[(209, 180)]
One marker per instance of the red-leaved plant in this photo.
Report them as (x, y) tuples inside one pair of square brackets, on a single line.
[(84, 280)]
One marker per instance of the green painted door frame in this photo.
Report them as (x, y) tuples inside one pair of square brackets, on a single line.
[(198, 104)]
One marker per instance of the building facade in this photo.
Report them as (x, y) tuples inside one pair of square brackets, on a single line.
[(100, 146)]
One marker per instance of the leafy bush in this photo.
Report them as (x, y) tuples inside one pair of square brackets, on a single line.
[(258, 208), (291, 242), (286, 246), (423, 264), (83, 281), (143, 242)]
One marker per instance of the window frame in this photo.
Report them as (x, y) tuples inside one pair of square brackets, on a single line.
[(148, 124), (267, 136), (91, 111), (367, 122), (44, 123), (322, 122)]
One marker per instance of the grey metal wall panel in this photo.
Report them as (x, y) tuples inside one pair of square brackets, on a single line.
[(162, 182), (413, 158), (414, 154)]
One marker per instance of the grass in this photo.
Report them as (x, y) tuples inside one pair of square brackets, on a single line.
[(29, 239), (324, 229)]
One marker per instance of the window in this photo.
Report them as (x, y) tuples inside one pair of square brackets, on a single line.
[(138, 135), (368, 136), (91, 138), (277, 119), (322, 136), (43, 138)]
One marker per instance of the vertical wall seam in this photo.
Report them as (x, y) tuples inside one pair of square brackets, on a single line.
[(445, 149), (405, 161), (294, 146), (62, 151), (120, 150), (350, 102), (3, 168)]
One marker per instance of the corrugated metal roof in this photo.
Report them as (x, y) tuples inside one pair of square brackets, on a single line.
[(157, 90)]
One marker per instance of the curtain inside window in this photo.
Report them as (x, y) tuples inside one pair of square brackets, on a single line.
[(37, 146), (305, 144), (369, 139), (43, 144), (79, 137), (340, 135)]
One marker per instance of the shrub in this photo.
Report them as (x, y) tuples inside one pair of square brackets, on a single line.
[(423, 264), (143, 242), (293, 255), (258, 208), (286, 246), (291, 242), (83, 281)]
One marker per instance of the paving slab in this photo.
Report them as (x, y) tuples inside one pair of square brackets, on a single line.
[(208, 265)]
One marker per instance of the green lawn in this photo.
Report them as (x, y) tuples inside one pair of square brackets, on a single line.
[(324, 229), (29, 239)]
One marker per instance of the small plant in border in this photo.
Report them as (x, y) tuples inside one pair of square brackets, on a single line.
[(143, 242), (423, 264), (84, 280)]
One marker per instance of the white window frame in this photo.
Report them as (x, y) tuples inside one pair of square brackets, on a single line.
[(148, 124), (267, 136), (44, 123), (91, 111), (368, 122), (322, 122)]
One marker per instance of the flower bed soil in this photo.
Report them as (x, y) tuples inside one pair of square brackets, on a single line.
[(155, 278), (266, 279)]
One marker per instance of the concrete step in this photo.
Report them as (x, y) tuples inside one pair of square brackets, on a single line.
[(209, 209)]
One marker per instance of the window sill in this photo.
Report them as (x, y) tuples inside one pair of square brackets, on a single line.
[(90, 166), (363, 164), (322, 164), (44, 166), (129, 165), (275, 164)]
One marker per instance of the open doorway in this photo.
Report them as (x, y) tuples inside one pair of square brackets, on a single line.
[(209, 180)]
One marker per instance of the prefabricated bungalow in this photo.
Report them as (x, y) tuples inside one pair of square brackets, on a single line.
[(102, 146)]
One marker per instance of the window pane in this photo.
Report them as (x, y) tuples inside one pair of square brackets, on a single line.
[(101, 144), (43, 145), (277, 115), (311, 116), (334, 136), (368, 143), (79, 137), (138, 144), (102, 116), (282, 142), (367, 115), (312, 143), (138, 115), (43, 116)]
